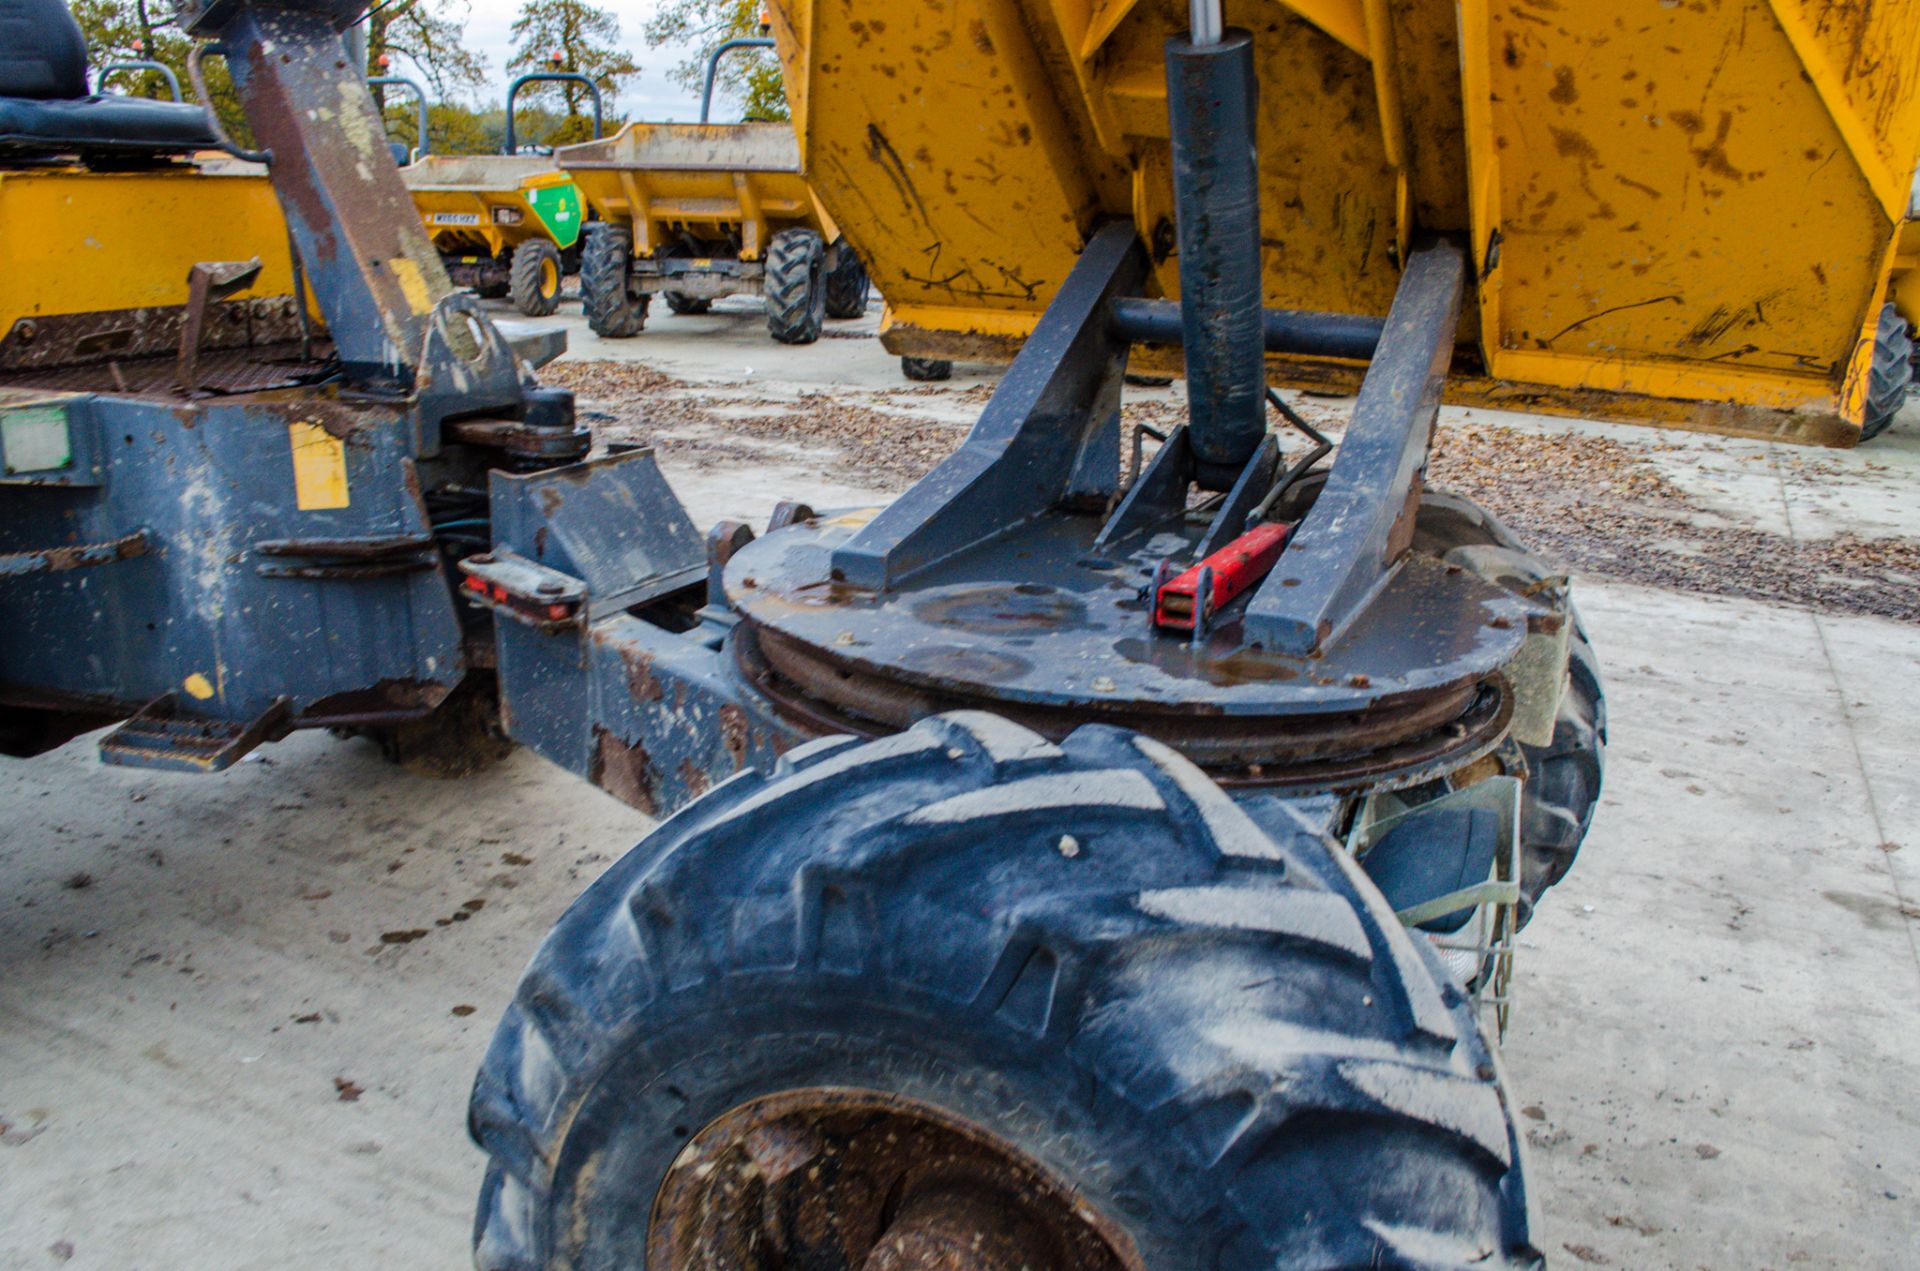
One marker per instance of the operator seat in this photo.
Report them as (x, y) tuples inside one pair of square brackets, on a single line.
[(45, 107)]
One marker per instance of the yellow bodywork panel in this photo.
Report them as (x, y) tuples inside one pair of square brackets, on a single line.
[(95, 242), (1678, 211), (706, 181), (1905, 291), (1681, 213), (486, 204)]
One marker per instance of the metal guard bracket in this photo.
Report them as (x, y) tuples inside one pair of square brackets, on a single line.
[(1349, 545), (1050, 432), (345, 559), (533, 595), (58, 560)]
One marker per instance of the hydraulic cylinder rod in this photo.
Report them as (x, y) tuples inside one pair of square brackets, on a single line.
[(1211, 97)]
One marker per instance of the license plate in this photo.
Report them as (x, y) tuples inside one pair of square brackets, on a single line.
[(455, 218), (705, 262)]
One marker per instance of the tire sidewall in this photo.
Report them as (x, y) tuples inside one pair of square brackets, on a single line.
[(926, 370), (787, 321), (529, 273), (606, 272), (847, 284), (758, 1042)]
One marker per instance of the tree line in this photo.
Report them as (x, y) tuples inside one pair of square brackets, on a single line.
[(426, 37)]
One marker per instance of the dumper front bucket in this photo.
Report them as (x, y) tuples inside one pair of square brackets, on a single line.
[(1677, 213), (494, 201), (708, 181)]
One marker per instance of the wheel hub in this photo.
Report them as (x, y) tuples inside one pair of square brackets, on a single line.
[(854, 1180)]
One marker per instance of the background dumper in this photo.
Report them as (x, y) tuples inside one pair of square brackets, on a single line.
[(1680, 214)]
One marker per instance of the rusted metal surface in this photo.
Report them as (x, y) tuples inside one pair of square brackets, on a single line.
[(724, 540), (1339, 752), (960, 1229), (163, 735), (91, 339), (624, 770), (1414, 685), (373, 267), (58, 560), (243, 596), (869, 1181), (346, 559), (252, 369), (521, 440), (207, 282), (390, 701)]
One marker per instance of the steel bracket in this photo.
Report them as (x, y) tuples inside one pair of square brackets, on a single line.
[(1349, 545), (1051, 433)]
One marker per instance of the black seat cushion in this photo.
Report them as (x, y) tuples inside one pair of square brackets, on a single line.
[(43, 94), (102, 124), (42, 53)]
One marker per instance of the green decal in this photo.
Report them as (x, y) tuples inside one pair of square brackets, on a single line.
[(34, 439), (558, 207)]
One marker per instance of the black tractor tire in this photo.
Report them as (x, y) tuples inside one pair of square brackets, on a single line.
[(1214, 1035), (1890, 375), (926, 370), (534, 278), (795, 282), (1562, 785), (847, 284), (614, 310), (685, 304)]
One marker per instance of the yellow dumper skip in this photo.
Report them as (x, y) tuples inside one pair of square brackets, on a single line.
[(1683, 213), (105, 274), (700, 211), (703, 180), (503, 223)]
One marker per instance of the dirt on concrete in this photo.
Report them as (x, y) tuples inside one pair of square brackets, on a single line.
[(1602, 508)]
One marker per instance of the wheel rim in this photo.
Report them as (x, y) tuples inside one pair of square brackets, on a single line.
[(871, 1182), (549, 277)]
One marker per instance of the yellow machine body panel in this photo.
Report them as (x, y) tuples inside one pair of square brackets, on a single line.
[(487, 204), (106, 242), (708, 181), (1684, 214)]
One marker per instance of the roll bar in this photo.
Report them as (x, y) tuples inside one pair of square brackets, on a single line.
[(420, 96), (713, 67), (573, 77), (141, 64)]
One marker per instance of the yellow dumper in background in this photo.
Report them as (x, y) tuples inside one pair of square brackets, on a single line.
[(701, 211), (502, 222), (1684, 214)]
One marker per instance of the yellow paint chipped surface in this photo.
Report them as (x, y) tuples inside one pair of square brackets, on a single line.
[(319, 467), (413, 284)]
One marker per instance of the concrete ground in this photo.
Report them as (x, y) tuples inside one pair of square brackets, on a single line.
[(223, 1044)]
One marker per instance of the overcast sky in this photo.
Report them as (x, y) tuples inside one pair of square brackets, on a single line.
[(651, 95)]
